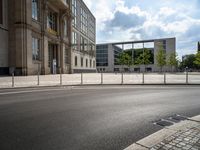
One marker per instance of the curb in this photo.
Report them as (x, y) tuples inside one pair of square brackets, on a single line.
[(155, 138), (151, 84)]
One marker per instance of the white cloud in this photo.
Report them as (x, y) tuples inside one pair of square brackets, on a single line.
[(118, 22)]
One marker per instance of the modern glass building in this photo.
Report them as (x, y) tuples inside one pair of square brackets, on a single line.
[(108, 54)]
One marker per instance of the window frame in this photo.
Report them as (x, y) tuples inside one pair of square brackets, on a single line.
[(76, 61), (35, 49), (52, 20), (35, 10)]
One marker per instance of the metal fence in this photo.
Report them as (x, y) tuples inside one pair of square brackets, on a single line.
[(100, 79)]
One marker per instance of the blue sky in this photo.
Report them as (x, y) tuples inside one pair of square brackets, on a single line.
[(125, 20)]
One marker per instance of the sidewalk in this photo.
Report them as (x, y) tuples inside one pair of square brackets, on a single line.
[(181, 136)]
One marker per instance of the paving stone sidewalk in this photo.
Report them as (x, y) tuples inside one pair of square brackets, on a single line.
[(185, 140), (184, 135)]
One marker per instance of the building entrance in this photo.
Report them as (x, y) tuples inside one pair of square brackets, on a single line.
[(53, 57)]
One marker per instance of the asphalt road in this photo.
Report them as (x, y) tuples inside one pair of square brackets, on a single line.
[(88, 118)]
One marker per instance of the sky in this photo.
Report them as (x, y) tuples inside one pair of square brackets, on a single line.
[(130, 20)]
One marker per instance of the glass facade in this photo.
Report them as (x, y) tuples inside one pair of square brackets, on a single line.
[(35, 49), (35, 9), (102, 55), (117, 52)]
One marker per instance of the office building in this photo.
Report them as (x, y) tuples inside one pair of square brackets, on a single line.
[(108, 54)]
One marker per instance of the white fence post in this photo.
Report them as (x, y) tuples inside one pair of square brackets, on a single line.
[(187, 82), (60, 78), (81, 78), (122, 78), (143, 78), (164, 77), (101, 78), (13, 80)]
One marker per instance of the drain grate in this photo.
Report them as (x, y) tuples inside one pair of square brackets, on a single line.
[(179, 117), (164, 123), (170, 120)]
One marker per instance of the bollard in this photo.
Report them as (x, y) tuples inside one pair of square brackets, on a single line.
[(60, 78), (143, 78), (187, 77), (13, 80), (165, 78), (81, 78), (101, 78), (38, 75), (38, 79), (122, 78)]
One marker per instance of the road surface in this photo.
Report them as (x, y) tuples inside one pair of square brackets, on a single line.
[(88, 117)]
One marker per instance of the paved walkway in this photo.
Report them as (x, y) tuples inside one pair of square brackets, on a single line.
[(181, 136)]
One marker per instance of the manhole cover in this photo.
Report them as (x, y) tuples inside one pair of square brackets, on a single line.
[(179, 118), (164, 123), (173, 120)]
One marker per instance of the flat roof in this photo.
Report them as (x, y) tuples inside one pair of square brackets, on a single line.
[(132, 42)]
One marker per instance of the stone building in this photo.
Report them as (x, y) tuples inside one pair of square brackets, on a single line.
[(83, 38), (37, 36)]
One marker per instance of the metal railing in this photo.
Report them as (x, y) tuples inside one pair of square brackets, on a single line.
[(100, 79)]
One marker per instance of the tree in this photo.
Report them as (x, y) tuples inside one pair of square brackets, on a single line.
[(144, 58), (125, 59), (172, 60), (197, 60), (161, 58), (188, 61)]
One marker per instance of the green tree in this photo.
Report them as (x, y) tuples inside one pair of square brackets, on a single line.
[(172, 60), (188, 61), (144, 58), (197, 60), (125, 59), (161, 58)]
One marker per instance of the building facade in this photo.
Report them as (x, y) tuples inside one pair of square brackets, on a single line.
[(4, 37), (38, 36), (107, 54), (83, 38)]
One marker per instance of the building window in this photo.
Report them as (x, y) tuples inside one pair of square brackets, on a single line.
[(35, 9), (52, 21), (90, 63), (66, 56), (76, 61), (81, 61), (35, 49), (94, 64), (74, 40), (65, 27), (86, 62), (74, 11), (84, 21)]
